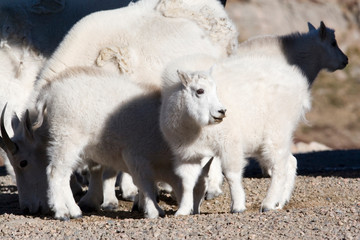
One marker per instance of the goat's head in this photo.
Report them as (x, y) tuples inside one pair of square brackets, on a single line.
[(200, 98), (332, 58), (27, 155)]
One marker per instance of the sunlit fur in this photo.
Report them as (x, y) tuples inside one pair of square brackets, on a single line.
[(143, 37), (265, 99), (116, 127)]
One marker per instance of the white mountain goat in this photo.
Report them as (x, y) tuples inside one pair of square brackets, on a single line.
[(143, 37), (265, 98), (117, 127), (310, 52)]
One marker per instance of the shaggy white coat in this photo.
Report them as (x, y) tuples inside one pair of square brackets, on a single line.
[(119, 129), (142, 38), (265, 99)]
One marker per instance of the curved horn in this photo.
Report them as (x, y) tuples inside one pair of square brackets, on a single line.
[(11, 146), (2, 144)]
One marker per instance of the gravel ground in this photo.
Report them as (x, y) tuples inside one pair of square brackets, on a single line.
[(323, 206)]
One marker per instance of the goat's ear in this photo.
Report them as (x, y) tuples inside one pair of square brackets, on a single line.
[(322, 30), (27, 126), (311, 27), (184, 77)]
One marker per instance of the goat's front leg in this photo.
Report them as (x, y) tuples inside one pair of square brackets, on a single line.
[(61, 200), (189, 174)]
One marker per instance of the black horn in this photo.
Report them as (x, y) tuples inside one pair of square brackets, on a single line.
[(6, 141), (223, 2)]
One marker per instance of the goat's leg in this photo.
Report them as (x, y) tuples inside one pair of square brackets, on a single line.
[(237, 192), (61, 200), (110, 201), (290, 180), (275, 196), (189, 174), (202, 185), (215, 180), (128, 189), (233, 163), (93, 198), (144, 180)]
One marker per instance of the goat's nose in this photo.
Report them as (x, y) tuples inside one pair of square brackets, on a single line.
[(222, 111)]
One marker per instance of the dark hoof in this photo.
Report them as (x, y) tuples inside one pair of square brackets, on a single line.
[(135, 208), (110, 207), (88, 209), (77, 217), (237, 211), (209, 196), (264, 209)]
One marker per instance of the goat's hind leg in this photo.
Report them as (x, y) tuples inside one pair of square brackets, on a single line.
[(93, 198), (282, 179), (110, 202), (233, 164), (144, 180), (290, 179)]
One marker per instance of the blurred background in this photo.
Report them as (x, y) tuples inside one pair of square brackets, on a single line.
[(335, 116)]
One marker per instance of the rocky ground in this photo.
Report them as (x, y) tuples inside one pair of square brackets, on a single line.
[(325, 205)]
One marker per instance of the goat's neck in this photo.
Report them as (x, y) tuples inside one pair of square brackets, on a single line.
[(184, 127), (301, 50)]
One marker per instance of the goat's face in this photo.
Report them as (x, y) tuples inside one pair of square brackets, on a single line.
[(28, 158), (200, 99), (332, 58)]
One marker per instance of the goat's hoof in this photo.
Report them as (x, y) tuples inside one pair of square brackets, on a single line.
[(237, 211), (77, 216), (64, 218), (264, 209), (136, 208), (212, 194), (130, 198), (110, 207), (87, 208)]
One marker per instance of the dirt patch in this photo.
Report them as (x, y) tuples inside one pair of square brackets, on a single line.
[(323, 206)]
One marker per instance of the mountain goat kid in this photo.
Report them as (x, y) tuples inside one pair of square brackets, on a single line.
[(265, 98), (87, 114)]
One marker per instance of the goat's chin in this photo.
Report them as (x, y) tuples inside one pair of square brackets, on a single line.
[(213, 121)]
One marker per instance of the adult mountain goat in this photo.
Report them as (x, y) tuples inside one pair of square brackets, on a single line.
[(143, 37), (265, 98)]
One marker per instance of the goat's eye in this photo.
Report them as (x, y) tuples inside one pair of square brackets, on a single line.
[(200, 91), (334, 43), (23, 163)]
